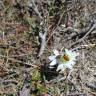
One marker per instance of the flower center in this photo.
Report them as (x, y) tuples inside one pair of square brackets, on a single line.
[(66, 58)]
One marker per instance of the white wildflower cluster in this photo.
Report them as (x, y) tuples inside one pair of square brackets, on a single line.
[(66, 59)]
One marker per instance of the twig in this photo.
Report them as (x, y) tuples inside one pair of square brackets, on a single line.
[(36, 9), (25, 91), (20, 55), (43, 43), (18, 61), (10, 81), (77, 94), (92, 86), (80, 40), (54, 29), (83, 47)]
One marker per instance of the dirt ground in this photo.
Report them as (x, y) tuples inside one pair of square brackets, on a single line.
[(24, 52)]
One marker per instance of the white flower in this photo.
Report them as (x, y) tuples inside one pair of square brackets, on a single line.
[(67, 59), (53, 59)]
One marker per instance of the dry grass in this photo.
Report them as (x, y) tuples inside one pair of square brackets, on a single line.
[(22, 72)]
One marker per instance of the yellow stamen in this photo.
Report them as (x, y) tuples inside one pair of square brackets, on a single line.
[(66, 58)]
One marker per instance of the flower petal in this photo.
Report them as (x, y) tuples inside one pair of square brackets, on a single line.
[(67, 51), (69, 65), (56, 52), (71, 54), (51, 67), (74, 55), (72, 63), (51, 58), (60, 67), (53, 62)]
